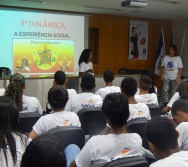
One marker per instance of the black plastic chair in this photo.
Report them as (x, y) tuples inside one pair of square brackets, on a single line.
[(5, 70), (155, 110), (69, 135), (137, 161), (92, 120), (137, 125), (27, 121)]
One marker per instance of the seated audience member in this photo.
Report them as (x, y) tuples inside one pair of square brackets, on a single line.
[(44, 151), (60, 79), (57, 98), (15, 90), (182, 90), (162, 139), (144, 85), (137, 109), (86, 98), (180, 115), (102, 149), (12, 141), (2, 91), (108, 77)]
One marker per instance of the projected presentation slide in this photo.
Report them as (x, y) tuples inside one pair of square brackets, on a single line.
[(39, 56), (40, 43)]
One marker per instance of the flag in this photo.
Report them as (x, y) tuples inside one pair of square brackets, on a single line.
[(172, 38), (160, 54)]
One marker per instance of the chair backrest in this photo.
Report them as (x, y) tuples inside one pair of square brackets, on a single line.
[(92, 120), (137, 161), (137, 125), (6, 71), (27, 121), (69, 135), (155, 110)]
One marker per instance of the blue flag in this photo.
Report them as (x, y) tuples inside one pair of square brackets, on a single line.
[(160, 54)]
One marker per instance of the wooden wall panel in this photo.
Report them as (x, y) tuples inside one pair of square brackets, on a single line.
[(114, 42)]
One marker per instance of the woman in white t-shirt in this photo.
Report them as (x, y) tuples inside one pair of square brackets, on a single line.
[(13, 142), (171, 69), (15, 90), (102, 149), (85, 64), (57, 98)]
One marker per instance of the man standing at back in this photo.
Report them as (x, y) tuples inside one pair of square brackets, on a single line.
[(85, 99), (108, 77)]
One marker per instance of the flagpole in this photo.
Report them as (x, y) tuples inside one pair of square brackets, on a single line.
[(163, 42), (183, 41)]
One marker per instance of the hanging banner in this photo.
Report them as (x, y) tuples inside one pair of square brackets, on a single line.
[(138, 40)]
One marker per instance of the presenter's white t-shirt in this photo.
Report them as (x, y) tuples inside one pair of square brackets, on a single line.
[(83, 67), (139, 110), (109, 89), (102, 149), (20, 149), (2, 91), (171, 66), (150, 98), (182, 128), (31, 104), (61, 118), (83, 100), (179, 159)]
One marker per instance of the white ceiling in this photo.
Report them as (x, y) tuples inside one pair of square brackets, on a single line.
[(160, 9)]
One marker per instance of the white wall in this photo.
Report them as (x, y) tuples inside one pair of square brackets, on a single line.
[(180, 27)]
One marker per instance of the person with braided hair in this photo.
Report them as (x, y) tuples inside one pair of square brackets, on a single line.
[(15, 91)]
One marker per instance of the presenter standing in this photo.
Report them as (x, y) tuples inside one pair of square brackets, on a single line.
[(171, 69), (85, 64)]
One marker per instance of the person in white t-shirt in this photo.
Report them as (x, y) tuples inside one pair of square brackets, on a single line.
[(2, 91), (57, 98), (15, 90), (144, 85), (182, 91), (162, 139), (85, 99), (60, 79), (180, 115), (137, 110), (108, 77), (85, 64), (171, 69), (13, 142), (102, 149)]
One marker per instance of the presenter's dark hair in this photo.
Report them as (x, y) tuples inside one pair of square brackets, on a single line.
[(44, 151), (108, 76), (174, 47), (58, 97), (15, 89), (116, 108), (180, 105), (60, 77), (145, 82), (84, 57), (9, 116), (161, 132), (88, 82), (129, 86)]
